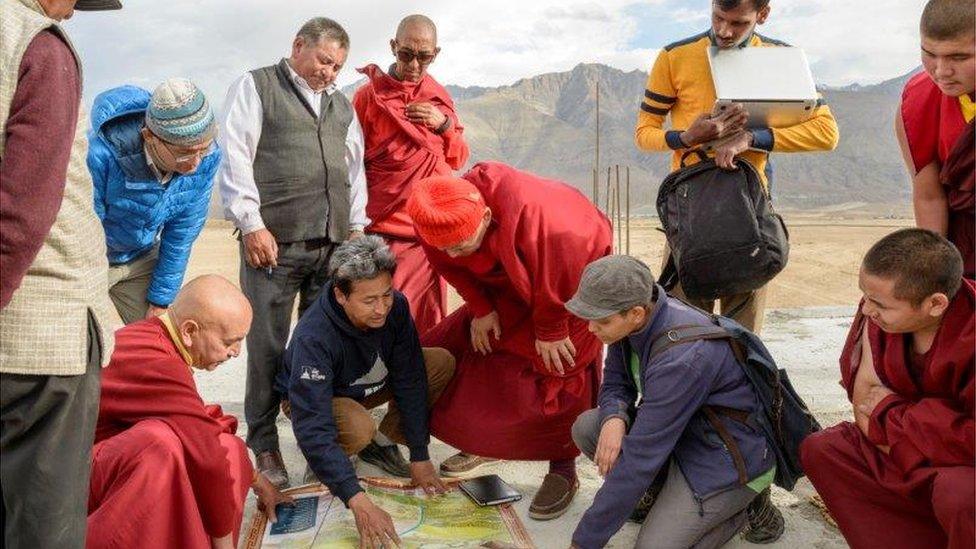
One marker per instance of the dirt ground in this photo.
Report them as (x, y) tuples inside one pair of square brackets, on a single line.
[(825, 252)]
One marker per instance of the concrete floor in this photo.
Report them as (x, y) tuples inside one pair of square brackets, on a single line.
[(806, 342)]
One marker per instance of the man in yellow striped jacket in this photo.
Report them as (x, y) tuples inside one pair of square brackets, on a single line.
[(680, 86)]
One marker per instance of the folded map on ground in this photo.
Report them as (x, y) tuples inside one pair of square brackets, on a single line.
[(450, 520)]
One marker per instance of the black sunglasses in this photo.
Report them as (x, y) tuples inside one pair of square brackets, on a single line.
[(407, 56)]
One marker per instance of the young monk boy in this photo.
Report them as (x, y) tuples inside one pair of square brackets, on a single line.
[(901, 475), (934, 126)]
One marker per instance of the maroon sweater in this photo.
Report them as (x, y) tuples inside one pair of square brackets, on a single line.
[(39, 133)]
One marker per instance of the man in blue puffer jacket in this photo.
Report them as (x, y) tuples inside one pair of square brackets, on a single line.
[(153, 160)]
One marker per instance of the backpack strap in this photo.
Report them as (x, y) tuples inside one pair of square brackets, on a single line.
[(688, 333), (723, 433), (702, 157), (685, 333)]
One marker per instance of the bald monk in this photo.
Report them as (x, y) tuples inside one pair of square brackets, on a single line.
[(167, 470), (901, 475), (514, 245), (935, 126), (411, 132)]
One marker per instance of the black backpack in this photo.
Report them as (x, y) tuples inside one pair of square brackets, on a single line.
[(784, 418), (724, 236)]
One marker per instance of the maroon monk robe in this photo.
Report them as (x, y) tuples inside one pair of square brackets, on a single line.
[(958, 176), (921, 493), (399, 152), (167, 471), (936, 131), (506, 404)]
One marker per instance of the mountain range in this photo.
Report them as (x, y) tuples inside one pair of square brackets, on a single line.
[(546, 124)]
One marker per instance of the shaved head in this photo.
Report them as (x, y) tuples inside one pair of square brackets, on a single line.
[(416, 24), (212, 316)]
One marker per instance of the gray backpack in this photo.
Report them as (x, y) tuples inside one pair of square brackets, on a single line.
[(724, 236)]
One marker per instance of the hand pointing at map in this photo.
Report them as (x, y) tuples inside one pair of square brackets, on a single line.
[(376, 530), (423, 476)]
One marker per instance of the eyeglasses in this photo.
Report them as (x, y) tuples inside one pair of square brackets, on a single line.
[(183, 158), (423, 57)]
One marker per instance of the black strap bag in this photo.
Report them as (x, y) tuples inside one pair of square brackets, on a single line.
[(724, 236)]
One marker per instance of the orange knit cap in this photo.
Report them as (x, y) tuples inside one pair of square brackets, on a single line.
[(445, 210)]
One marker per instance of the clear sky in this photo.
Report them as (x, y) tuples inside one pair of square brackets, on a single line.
[(487, 43)]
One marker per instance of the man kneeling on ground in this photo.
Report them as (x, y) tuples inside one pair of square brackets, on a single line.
[(659, 404), (901, 475), (354, 349), (167, 471)]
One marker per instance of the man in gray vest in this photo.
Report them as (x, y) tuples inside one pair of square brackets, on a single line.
[(293, 183), (54, 305)]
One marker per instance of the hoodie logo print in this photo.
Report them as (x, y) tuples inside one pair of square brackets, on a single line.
[(311, 374)]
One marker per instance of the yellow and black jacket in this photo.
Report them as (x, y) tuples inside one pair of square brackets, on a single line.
[(680, 85)]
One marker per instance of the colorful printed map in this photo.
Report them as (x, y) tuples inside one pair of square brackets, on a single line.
[(441, 522)]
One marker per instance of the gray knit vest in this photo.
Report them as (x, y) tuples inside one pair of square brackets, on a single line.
[(300, 167)]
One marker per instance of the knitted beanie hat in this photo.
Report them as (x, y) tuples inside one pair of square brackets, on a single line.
[(178, 113), (445, 210)]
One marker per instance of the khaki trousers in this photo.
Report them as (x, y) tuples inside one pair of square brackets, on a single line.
[(747, 308), (128, 285), (355, 424)]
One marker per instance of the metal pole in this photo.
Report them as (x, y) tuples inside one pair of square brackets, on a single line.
[(628, 210), (596, 188), (596, 165), (620, 227), (607, 209)]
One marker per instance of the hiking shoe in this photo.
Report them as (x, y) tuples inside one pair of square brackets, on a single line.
[(270, 465), (461, 464), (766, 522), (553, 497), (387, 458)]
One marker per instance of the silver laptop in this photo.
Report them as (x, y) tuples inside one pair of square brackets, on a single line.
[(774, 84)]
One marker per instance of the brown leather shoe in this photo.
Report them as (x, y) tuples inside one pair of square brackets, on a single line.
[(271, 465), (461, 464), (553, 497)]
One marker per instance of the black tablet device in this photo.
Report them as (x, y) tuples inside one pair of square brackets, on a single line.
[(489, 490)]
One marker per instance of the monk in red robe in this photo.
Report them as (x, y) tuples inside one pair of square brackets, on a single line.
[(167, 471), (514, 245), (411, 132), (934, 126), (902, 475)]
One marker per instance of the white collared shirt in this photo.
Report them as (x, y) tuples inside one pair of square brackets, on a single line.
[(240, 133)]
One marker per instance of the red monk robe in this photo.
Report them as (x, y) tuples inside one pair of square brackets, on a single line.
[(506, 404), (921, 494), (937, 131), (167, 471), (399, 152)]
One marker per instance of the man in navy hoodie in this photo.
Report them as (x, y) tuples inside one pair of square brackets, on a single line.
[(354, 349), (651, 418)]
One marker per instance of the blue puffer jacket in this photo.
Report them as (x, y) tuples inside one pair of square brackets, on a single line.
[(135, 208)]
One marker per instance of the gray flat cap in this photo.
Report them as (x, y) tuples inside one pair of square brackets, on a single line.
[(610, 285)]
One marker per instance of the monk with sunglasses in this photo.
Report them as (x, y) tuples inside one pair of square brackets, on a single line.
[(412, 131)]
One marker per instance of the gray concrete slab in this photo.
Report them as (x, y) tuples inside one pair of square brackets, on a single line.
[(805, 342)]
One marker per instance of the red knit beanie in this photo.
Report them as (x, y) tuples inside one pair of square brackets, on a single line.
[(445, 210)]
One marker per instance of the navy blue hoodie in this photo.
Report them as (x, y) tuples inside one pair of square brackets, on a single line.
[(328, 357)]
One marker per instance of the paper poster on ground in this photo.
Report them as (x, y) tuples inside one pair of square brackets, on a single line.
[(448, 521)]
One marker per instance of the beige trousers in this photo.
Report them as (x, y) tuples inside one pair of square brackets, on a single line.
[(128, 284), (354, 423), (746, 308)]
